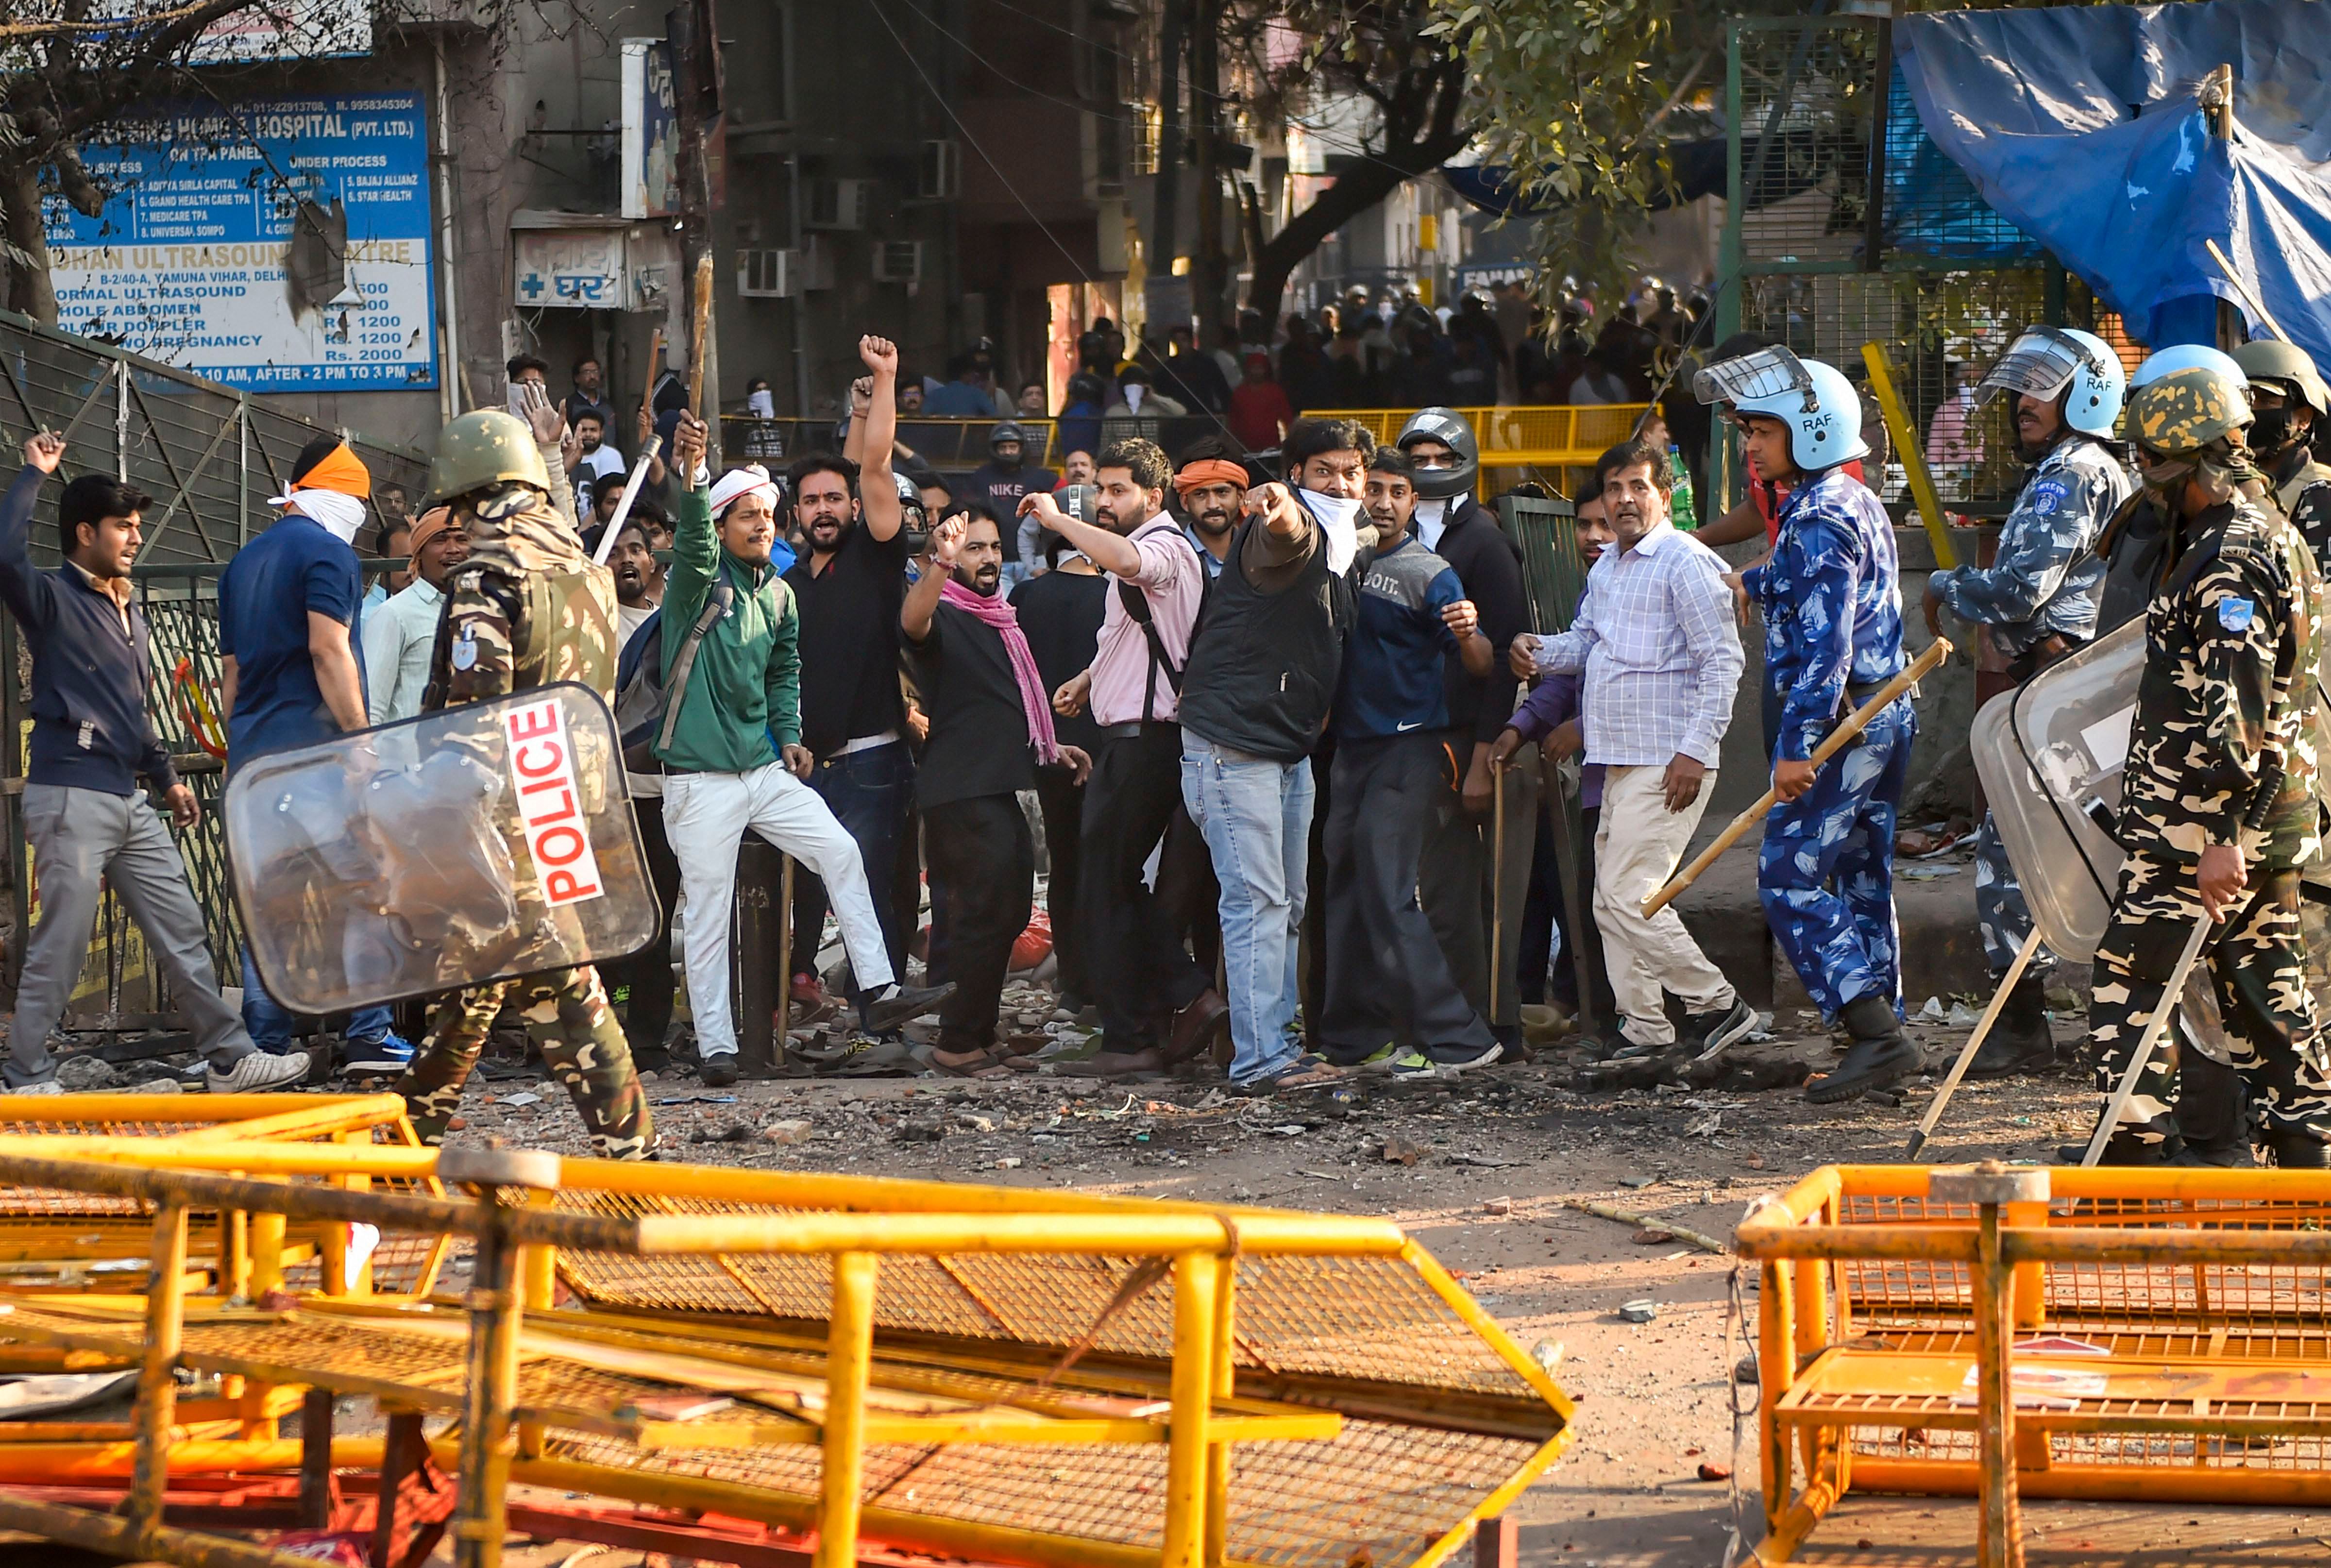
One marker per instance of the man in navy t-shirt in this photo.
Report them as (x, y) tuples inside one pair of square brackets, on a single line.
[(290, 609), (1392, 1000)]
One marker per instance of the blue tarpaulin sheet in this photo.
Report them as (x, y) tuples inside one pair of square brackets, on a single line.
[(2080, 125)]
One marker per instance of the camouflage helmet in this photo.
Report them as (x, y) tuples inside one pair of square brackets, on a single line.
[(482, 449), (2268, 360), (2186, 411)]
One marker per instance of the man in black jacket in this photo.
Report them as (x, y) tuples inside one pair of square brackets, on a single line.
[(1469, 876), (1261, 676)]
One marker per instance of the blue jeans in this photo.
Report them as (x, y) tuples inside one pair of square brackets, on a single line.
[(869, 793), (1256, 816), (269, 1025)]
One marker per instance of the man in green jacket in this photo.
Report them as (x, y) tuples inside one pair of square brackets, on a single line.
[(733, 760)]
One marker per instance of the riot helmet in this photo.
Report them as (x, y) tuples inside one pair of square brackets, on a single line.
[(481, 450), (2057, 362), (1813, 400)]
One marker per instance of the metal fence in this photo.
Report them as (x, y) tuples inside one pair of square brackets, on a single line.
[(1846, 225), (210, 456)]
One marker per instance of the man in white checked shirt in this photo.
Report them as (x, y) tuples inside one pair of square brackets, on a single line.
[(1656, 637)]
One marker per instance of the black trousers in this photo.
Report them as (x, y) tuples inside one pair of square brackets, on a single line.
[(1388, 981), (1063, 805), (1193, 898), (1141, 975), (983, 870), (1562, 976), (645, 977)]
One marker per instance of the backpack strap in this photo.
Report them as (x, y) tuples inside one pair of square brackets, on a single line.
[(1136, 607), (716, 606)]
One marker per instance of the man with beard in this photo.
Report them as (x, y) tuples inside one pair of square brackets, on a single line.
[(639, 577), (399, 636), (2288, 397), (1212, 487), (527, 609), (734, 761), (594, 462), (1060, 611), (2038, 602), (1391, 999), (1467, 872), (1157, 1008), (1261, 677), (848, 588), (990, 728)]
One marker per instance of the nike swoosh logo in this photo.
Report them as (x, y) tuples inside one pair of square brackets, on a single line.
[(1404, 728)]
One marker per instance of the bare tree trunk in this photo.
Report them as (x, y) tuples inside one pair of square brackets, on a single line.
[(1356, 190), (29, 289)]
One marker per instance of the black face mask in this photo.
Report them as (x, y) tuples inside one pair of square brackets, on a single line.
[(2272, 430)]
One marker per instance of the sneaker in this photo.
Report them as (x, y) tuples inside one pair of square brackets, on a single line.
[(808, 992), (1453, 1059), (719, 1069), (893, 1005), (1709, 1034), (46, 1086), (378, 1057), (1377, 1061), (259, 1072), (1411, 1066)]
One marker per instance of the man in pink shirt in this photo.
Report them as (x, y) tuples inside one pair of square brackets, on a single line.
[(1156, 1009)]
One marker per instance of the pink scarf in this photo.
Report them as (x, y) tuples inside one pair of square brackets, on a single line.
[(1034, 701)]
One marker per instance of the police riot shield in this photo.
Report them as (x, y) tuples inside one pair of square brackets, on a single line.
[(2050, 755), (464, 846)]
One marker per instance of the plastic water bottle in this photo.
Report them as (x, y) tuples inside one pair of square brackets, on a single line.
[(1679, 506)]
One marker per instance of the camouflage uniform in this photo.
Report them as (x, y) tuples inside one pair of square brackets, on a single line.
[(2042, 583), (2232, 641), (2302, 488), (528, 609)]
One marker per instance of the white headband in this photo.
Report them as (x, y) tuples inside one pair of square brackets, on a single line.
[(740, 482)]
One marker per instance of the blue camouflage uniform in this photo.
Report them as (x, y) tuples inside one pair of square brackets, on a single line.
[(1833, 610), (2044, 582)]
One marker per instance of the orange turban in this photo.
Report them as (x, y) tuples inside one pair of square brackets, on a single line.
[(1211, 470)]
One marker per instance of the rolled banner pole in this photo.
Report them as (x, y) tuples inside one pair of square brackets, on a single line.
[(1853, 723), (1975, 1043), (638, 476), (2258, 306)]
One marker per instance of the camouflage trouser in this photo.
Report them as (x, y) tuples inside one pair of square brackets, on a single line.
[(2257, 962), (568, 1016), (2000, 911)]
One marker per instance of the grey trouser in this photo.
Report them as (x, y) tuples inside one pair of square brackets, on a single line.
[(80, 837)]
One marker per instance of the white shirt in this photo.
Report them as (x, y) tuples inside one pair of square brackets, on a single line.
[(398, 641), (593, 467)]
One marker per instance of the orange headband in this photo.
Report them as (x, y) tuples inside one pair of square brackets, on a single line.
[(1209, 471), (342, 472), (433, 522)]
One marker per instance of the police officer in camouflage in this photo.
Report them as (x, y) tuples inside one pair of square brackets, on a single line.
[(2288, 399), (527, 609), (2233, 635), (2037, 602)]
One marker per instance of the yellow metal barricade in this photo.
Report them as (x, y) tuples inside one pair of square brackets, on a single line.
[(2148, 1335), (994, 1374), (1558, 440)]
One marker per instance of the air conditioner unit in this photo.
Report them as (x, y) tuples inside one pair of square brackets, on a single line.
[(942, 171), (836, 203), (768, 274), (898, 261)]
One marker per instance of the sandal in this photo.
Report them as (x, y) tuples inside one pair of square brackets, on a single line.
[(1309, 1070), (980, 1064), (864, 1058)]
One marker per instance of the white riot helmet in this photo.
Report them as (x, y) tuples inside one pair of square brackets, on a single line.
[(2044, 361), (2187, 356), (1814, 400)]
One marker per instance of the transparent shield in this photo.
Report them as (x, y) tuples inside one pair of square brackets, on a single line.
[(462, 847), (2039, 362), (1766, 372)]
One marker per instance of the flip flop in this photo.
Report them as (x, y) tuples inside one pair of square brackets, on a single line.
[(983, 1065), (872, 1059)]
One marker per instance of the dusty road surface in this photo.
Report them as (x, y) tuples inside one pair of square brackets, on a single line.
[(1481, 1169)]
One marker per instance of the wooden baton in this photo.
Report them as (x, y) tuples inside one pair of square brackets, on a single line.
[(700, 330), (1853, 725)]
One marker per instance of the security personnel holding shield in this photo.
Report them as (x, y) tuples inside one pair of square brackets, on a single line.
[(527, 609), (2233, 635), (2039, 599)]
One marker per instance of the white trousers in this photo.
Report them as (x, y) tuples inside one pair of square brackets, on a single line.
[(1636, 848), (705, 816)]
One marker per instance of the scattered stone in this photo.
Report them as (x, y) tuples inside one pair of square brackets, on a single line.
[(920, 1132), (1639, 1183), (1754, 1162), (648, 1075), (1708, 1472), (793, 1131), (455, 1124), (1499, 1206), (1401, 1152), (81, 1073), (1642, 1311), (1744, 1369), (1650, 1238), (972, 1123), (1008, 1163)]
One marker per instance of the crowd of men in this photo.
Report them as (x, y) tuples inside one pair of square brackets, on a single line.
[(1268, 710)]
